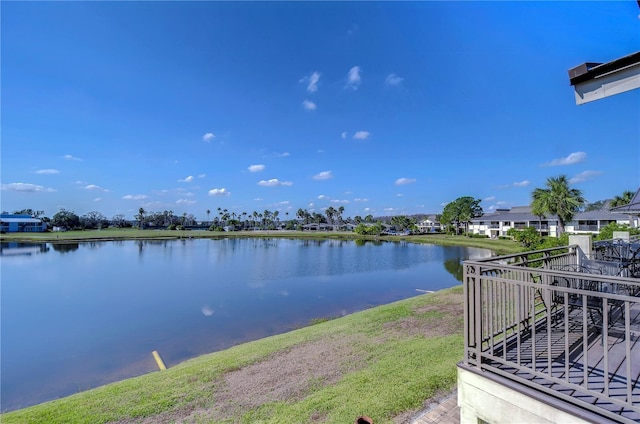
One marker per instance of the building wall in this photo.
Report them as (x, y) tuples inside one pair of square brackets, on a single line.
[(483, 400), (21, 224)]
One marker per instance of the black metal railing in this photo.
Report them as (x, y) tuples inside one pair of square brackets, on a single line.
[(558, 323)]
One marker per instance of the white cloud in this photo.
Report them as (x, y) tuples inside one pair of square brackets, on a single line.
[(219, 192), (343, 135), (361, 135), (324, 175), (312, 81), (94, 187), (274, 182), (186, 180), (584, 176), (393, 79), (323, 197), (490, 198), (572, 159), (521, 183), (404, 181), (360, 199), (70, 157), (97, 199), (282, 155), (256, 168), (47, 171), (135, 197), (25, 187), (258, 199), (202, 175), (208, 137), (353, 78), (207, 311), (185, 202), (309, 105), (340, 201)]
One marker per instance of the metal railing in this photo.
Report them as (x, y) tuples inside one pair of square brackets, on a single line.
[(534, 317), (587, 228)]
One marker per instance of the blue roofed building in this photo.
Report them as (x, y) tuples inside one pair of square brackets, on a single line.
[(21, 224)]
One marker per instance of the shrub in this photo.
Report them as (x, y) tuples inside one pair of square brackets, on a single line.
[(606, 233)]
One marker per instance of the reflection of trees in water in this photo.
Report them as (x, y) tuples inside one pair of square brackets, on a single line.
[(363, 242), (142, 243), (65, 247), (94, 245), (454, 267), (312, 242)]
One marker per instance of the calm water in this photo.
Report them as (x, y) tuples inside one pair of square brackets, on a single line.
[(76, 316)]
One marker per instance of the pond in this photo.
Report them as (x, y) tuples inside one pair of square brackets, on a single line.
[(77, 316)]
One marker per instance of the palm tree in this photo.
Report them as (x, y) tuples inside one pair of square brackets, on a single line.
[(623, 199), (557, 199), (208, 212), (140, 217)]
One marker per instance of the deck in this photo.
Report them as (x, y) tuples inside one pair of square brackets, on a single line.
[(573, 344), (579, 361)]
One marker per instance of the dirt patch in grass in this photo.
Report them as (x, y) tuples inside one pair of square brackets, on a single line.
[(290, 374)]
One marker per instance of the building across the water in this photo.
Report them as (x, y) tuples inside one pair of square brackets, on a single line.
[(21, 224)]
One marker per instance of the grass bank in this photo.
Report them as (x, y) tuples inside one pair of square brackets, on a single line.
[(498, 246), (384, 362)]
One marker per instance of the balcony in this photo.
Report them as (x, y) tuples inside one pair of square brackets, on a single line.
[(559, 328), (594, 228)]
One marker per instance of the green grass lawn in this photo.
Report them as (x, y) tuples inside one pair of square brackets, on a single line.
[(384, 362)]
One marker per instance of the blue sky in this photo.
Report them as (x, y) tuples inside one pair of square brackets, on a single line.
[(383, 108)]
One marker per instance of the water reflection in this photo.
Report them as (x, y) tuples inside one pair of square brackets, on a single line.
[(454, 267), (14, 248), (65, 247), (185, 298)]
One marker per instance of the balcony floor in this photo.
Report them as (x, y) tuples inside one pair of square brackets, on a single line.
[(576, 362)]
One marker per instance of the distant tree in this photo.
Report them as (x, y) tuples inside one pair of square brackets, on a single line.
[(65, 219), (369, 230), (559, 199), (401, 222), (331, 214), (30, 212), (595, 206), (119, 221), (94, 220), (208, 213), (623, 199), (318, 218), (461, 211), (340, 212), (141, 217), (368, 219)]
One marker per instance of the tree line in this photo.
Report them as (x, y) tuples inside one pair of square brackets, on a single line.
[(557, 198)]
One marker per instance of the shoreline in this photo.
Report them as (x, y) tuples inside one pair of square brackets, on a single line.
[(497, 246), (401, 344)]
